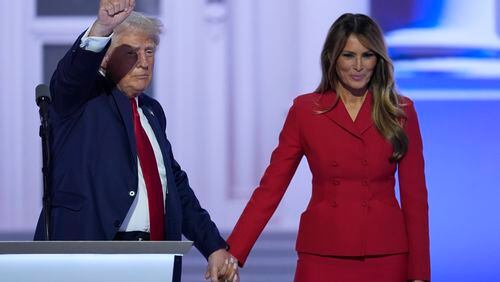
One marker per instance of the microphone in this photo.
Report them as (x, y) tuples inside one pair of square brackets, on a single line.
[(42, 98), (42, 94)]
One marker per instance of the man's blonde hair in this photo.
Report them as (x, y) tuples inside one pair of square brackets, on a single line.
[(139, 22)]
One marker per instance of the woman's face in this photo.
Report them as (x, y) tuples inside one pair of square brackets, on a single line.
[(355, 65)]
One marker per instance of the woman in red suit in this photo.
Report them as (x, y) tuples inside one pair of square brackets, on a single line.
[(355, 131)]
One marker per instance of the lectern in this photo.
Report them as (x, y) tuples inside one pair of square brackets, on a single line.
[(83, 261)]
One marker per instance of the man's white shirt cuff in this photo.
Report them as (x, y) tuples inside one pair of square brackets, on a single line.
[(93, 43)]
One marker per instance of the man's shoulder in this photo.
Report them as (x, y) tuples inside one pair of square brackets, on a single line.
[(148, 100), (154, 106), (151, 102)]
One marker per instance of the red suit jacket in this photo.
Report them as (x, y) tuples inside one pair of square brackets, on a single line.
[(353, 210)]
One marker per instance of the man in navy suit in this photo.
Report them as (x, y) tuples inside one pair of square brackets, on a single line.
[(114, 176)]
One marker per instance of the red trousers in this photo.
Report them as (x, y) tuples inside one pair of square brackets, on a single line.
[(387, 268)]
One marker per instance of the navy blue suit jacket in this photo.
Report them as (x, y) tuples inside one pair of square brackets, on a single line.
[(94, 160)]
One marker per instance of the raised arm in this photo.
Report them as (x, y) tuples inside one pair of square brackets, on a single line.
[(76, 74)]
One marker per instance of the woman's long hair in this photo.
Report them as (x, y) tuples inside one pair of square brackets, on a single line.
[(387, 113)]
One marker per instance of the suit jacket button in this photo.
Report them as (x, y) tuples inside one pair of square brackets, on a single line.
[(365, 162), (364, 203), (365, 182), (117, 223), (334, 204), (131, 193), (335, 182), (334, 163)]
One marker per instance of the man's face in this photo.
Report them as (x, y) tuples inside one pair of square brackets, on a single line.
[(130, 64)]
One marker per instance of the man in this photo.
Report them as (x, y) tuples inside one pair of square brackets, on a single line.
[(114, 176)]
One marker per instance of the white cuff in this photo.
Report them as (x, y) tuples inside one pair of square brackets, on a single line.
[(94, 43)]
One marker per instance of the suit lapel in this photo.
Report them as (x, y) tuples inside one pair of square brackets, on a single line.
[(364, 119), (153, 122), (338, 114), (160, 136), (341, 117), (124, 107)]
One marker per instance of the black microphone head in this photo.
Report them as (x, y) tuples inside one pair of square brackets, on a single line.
[(42, 93)]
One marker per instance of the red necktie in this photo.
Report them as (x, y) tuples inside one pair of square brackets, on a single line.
[(151, 177)]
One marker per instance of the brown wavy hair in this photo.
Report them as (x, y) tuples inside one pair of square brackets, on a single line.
[(387, 113)]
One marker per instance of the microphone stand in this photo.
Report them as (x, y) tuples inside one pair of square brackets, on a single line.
[(44, 134)]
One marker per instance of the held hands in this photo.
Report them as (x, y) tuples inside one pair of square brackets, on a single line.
[(111, 14), (222, 266)]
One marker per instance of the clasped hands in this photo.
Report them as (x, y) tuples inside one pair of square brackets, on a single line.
[(222, 267)]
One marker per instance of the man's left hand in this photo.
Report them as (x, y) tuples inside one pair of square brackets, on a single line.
[(221, 265)]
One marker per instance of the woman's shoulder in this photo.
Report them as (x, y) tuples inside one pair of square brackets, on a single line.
[(408, 107), (313, 99), (405, 102), (305, 98)]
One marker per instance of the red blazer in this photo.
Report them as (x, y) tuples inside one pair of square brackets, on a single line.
[(353, 210)]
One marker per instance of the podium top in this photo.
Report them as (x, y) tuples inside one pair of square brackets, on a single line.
[(95, 247)]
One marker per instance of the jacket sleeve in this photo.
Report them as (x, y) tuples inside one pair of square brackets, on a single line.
[(197, 225), (266, 197), (75, 77), (413, 194)]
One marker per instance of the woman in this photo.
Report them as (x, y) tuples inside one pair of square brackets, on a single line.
[(355, 131)]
